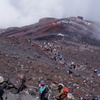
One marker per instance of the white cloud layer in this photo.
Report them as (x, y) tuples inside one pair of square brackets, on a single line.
[(25, 12)]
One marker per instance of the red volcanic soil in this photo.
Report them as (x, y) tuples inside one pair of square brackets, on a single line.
[(46, 50)]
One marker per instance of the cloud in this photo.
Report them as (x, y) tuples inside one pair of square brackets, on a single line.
[(25, 12)]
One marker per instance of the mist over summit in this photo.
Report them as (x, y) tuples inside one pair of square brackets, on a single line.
[(25, 12), (71, 28)]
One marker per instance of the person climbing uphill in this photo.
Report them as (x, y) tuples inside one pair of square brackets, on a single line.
[(96, 98), (63, 92), (43, 89), (1, 88)]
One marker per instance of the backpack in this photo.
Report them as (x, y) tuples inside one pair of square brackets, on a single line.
[(65, 92)]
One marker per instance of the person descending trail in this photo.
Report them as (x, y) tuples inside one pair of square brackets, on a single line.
[(1, 87), (43, 89), (63, 92)]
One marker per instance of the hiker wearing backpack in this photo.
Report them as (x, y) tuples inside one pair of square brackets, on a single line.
[(96, 98), (63, 92), (1, 87), (43, 89)]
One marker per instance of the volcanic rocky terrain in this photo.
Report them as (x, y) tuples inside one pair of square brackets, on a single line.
[(55, 50)]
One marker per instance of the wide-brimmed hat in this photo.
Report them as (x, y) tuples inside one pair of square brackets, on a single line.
[(1, 79)]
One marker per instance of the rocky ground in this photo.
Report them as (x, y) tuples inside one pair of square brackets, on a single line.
[(53, 58), (37, 62)]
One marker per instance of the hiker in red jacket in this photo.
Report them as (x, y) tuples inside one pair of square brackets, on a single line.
[(63, 91)]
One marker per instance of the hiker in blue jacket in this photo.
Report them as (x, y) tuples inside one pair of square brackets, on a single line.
[(43, 90)]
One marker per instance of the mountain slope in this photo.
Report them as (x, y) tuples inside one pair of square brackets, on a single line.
[(74, 28), (47, 50)]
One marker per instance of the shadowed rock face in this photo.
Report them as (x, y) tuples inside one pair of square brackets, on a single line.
[(61, 50)]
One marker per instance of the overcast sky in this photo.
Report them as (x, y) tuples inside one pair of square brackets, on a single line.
[(25, 12)]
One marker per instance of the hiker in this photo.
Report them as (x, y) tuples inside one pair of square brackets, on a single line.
[(95, 71), (98, 98), (95, 98), (59, 56), (1, 87), (43, 89), (63, 92), (73, 65)]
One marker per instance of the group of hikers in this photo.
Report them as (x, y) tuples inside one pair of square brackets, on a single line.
[(63, 91), (44, 91)]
